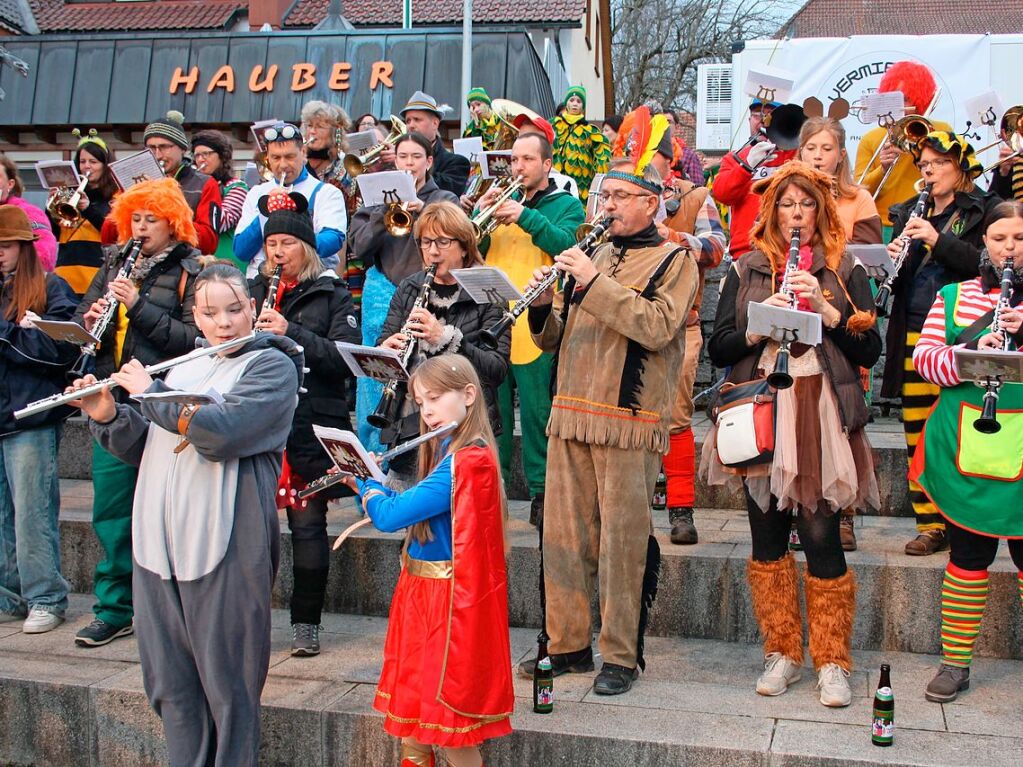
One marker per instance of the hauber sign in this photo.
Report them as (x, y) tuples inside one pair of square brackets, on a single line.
[(259, 78)]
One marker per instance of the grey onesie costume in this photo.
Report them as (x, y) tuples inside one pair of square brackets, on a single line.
[(205, 545)]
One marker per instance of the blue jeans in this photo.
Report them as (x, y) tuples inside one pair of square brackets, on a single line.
[(29, 506)]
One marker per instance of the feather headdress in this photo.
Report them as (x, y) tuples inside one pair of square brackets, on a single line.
[(638, 139)]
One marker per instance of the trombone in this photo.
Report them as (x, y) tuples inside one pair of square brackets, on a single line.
[(356, 164), (1010, 133), (483, 223), (905, 133), (62, 203)]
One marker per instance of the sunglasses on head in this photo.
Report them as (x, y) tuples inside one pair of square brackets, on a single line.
[(281, 132)]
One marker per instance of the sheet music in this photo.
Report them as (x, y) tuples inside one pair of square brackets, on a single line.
[(135, 169), (69, 332), (769, 83), (878, 108), (978, 364), (386, 187), (496, 164), (57, 173), (774, 321), (470, 148), (486, 285), (362, 141), (874, 259), (210, 397), (348, 453), (372, 362), (257, 132)]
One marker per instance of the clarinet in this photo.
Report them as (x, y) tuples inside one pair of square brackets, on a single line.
[(1008, 276), (884, 293), (988, 421), (272, 288), (490, 335), (87, 359), (779, 377), (390, 402)]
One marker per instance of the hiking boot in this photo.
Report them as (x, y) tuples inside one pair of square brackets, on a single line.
[(833, 682), (947, 684), (578, 662), (614, 679), (100, 632), (926, 543), (39, 621), (780, 671), (683, 531), (305, 639), (536, 510), (848, 533)]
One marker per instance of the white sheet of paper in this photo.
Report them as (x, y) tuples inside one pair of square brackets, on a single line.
[(985, 110), (977, 364), (765, 320), (376, 187), (769, 83), (135, 169), (372, 361), (362, 141), (70, 332), (209, 397), (486, 284), (876, 106), (348, 453), (874, 258), (470, 148), (496, 164), (57, 173), (257, 132)]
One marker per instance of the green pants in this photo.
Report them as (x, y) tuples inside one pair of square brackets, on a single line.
[(533, 382), (113, 484)]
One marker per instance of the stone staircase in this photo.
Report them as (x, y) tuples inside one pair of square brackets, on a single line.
[(695, 705)]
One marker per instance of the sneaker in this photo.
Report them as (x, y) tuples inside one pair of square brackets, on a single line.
[(39, 621), (928, 542), (780, 671), (614, 679), (578, 662), (683, 531), (100, 633), (848, 533), (947, 684), (536, 510), (305, 639), (833, 682)]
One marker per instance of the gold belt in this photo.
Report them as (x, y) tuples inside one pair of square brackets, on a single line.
[(422, 568)]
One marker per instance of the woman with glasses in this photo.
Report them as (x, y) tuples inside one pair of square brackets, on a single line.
[(450, 323), (212, 154), (822, 461), (389, 258), (944, 247)]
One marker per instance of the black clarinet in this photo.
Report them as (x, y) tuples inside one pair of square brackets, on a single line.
[(86, 362), (271, 289), (779, 377), (388, 409), (883, 299), (988, 421)]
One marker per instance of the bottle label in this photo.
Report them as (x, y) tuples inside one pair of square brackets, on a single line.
[(883, 728), (543, 696)]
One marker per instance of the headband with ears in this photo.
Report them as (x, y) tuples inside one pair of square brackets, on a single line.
[(280, 200), (837, 110)]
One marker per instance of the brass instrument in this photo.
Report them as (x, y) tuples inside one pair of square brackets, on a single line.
[(356, 164), (884, 290), (483, 223), (398, 219), (592, 236), (988, 421), (57, 400), (62, 203), (506, 111), (389, 407), (1010, 132), (781, 127), (779, 377)]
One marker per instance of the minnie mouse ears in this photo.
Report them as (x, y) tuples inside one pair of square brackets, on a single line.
[(837, 110), (281, 200)]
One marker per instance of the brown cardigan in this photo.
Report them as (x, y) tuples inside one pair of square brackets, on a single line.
[(621, 354)]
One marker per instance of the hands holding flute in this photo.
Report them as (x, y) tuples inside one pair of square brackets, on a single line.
[(100, 407)]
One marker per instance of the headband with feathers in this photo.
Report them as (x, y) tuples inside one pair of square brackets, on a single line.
[(638, 139)]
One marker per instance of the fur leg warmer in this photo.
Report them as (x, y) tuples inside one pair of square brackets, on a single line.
[(774, 586), (830, 608)]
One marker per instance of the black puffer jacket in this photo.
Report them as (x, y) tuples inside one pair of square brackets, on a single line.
[(160, 325), (467, 319), (319, 312)]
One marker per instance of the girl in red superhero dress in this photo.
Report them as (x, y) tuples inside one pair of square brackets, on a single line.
[(446, 678)]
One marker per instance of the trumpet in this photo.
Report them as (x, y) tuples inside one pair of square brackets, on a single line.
[(988, 421), (62, 203), (390, 401), (131, 252), (57, 400), (884, 290), (356, 164), (592, 236), (779, 377), (483, 223), (398, 219)]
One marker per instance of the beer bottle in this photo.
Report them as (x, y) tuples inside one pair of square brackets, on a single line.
[(543, 687), (882, 732), (660, 500)]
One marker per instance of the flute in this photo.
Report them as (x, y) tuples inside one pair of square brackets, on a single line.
[(56, 400), (329, 480)]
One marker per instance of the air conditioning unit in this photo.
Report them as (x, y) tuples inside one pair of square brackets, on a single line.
[(714, 107)]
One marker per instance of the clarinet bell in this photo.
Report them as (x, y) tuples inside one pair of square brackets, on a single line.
[(382, 417), (988, 421), (779, 377), (490, 336), (883, 300)]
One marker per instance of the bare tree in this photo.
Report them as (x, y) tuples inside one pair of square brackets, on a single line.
[(656, 44)]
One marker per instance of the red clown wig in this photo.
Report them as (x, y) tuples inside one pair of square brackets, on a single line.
[(913, 80)]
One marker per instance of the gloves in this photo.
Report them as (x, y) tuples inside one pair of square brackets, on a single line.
[(760, 153)]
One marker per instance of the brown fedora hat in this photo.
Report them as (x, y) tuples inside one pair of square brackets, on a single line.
[(14, 225)]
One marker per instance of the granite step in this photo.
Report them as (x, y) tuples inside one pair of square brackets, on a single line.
[(694, 706), (703, 590), (885, 437)]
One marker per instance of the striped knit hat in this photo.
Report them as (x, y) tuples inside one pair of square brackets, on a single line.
[(477, 94), (171, 128), (576, 90), (947, 142)]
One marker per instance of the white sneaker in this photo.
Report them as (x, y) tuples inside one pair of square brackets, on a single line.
[(779, 672), (39, 621), (833, 682)]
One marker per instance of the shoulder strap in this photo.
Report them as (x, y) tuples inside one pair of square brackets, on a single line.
[(312, 197), (655, 278), (182, 282)]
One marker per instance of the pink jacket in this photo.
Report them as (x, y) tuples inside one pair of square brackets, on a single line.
[(46, 245)]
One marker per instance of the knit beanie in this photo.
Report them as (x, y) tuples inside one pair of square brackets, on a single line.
[(576, 90), (477, 94), (171, 128), (287, 213)]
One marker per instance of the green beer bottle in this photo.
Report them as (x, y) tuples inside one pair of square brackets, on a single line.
[(882, 732)]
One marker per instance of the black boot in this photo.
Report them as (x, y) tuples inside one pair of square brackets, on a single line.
[(683, 531), (536, 510), (614, 679), (578, 662)]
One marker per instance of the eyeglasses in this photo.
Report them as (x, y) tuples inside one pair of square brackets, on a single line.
[(790, 204), (619, 196), (201, 155), (160, 147), (941, 162), (281, 132), (442, 243)]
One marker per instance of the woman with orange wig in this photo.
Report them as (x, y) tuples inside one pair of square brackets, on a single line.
[(153, 322), (821, 461)]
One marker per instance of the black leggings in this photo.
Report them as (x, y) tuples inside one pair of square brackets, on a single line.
[(818, 532), (311, 555), (971, 551)]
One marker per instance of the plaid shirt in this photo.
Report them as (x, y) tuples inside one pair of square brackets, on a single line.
[(708, 238)]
